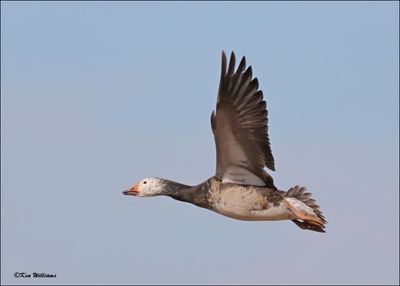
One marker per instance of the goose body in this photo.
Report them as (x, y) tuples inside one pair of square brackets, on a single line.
[(245, 202), (241, 188)]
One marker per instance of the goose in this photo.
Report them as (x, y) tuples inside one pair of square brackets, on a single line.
[(241, 187)]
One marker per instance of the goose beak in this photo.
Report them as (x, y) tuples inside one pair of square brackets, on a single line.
[(132, 191)]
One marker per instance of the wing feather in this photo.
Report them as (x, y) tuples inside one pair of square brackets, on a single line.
[(240, 127)]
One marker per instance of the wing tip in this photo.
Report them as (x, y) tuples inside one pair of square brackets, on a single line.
[(231, 63), (223, 54)]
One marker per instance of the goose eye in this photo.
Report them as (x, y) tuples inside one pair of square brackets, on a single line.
[(144, 182)]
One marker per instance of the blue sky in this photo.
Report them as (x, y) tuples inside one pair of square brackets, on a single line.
[(97, 95)]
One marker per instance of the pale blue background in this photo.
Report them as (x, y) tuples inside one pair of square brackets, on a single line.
[(96, 96)]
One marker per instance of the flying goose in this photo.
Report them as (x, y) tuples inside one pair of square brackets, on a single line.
[(241, 188)]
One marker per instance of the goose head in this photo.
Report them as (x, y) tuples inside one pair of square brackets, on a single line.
[(147, 187)]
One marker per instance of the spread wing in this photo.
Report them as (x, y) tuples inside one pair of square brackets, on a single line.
[(240, 128)]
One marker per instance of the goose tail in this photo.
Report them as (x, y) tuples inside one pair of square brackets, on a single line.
[(306, 211)]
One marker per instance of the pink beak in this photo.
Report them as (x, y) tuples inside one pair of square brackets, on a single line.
[(132, 191)]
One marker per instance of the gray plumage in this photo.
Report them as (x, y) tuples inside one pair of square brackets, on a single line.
[(240, 124)]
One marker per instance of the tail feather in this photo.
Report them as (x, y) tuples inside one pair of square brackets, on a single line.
[(301, 194)]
